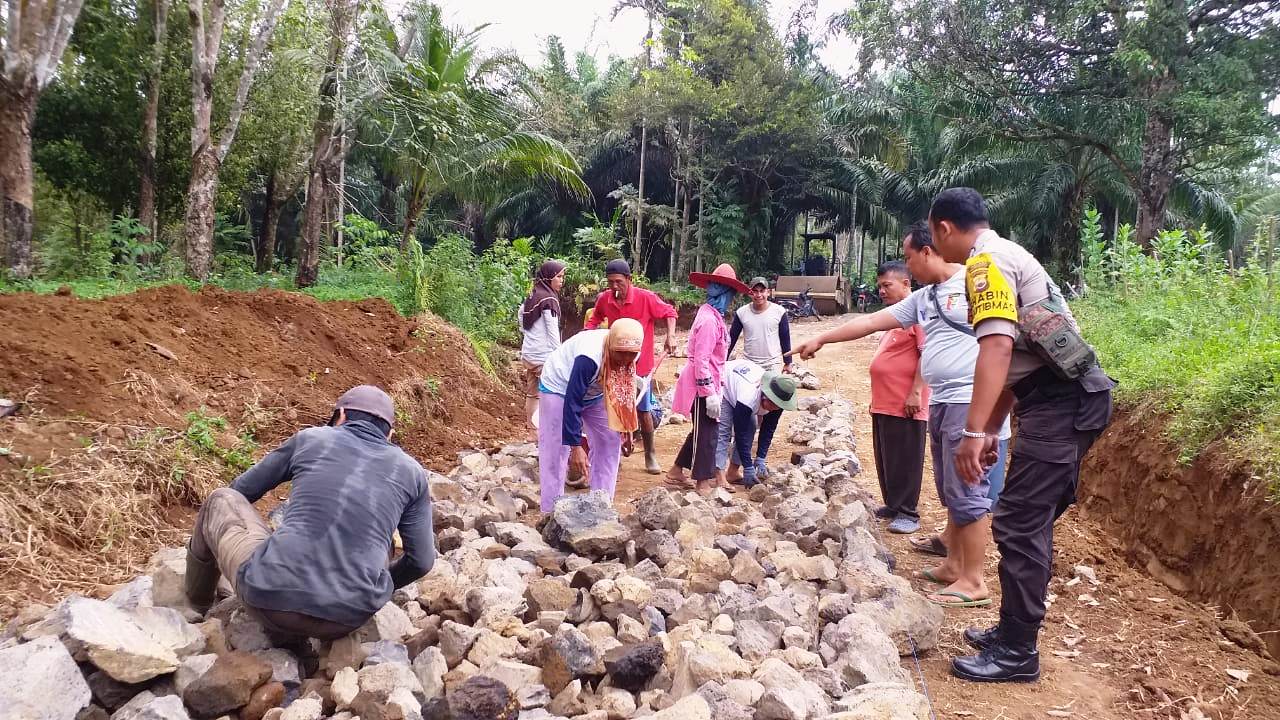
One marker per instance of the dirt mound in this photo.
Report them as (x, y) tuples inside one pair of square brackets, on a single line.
[(151, 357), (135, 407), (1208, 530)]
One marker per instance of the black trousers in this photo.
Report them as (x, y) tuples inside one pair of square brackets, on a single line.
[(898, 443), (1058, 421), (699, 449)]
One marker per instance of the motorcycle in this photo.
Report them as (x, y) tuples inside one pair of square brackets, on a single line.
[(864, 298), (801, 307)]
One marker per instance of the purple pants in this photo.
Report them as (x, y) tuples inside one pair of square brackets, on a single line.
[(604, 453)]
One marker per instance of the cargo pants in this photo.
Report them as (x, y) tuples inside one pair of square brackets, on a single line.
[(1058, 421)]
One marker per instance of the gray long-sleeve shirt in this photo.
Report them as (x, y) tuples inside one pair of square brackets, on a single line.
[(351, 490)]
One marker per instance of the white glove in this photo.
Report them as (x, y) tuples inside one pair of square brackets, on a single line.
[(713, 407)]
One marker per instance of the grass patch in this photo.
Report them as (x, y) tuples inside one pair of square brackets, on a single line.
[(1200, 343)]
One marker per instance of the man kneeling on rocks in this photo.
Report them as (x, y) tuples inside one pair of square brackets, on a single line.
[(324, 572)]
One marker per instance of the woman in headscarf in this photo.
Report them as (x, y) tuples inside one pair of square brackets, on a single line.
[(698, 388), (588, 386), (540, 325)]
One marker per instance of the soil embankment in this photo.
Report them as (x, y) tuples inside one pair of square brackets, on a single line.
[(1205, 529), (133, 407)]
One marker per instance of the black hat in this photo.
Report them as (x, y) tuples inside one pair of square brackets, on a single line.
[(617, 267)]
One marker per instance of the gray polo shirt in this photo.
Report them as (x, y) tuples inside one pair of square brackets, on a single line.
[(949, 355)]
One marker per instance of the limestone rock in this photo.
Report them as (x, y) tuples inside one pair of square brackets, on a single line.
[(168, 627), (147, 706), (658, 545), (191, 669), (704, 660), (345, 688), (745, 569), (862, 652), (757, 638), (382, 681), (456, 641), (617, 703), (654, 507), (226, 685), (723, 706), (692, 707), (389, 623), (906, 616), (882, 701), (41, 681), (430, 666), (588, 524), (569, 701), (115, 643), (799, 515), (304, 709), (549, 594)]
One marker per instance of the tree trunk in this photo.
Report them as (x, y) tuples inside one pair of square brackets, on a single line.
[(636, 244), (17, 112), (682, 258), (326, 150), (147, 189), (702, 204), (410, 230), (266, 250), (200, 212), (1156, 175)]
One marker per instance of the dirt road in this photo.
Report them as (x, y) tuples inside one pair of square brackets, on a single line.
[(1127, 647)]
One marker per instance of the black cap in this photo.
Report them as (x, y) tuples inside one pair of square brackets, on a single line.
[(617, 267)]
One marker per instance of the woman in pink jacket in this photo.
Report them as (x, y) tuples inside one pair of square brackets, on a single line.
[(698, 389)]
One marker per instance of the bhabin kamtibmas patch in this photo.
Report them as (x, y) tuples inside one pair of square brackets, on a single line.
[(990, 295)]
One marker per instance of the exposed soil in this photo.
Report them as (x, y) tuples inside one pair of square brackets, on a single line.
[(97, 469), (151, 357), (1207, 529), (1143, 651)]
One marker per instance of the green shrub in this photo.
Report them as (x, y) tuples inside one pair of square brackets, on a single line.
[(1191, 338)]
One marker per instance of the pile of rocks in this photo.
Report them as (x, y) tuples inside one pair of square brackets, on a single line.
[(773, 604)]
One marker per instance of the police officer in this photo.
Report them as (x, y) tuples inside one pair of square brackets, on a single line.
[(1033, 361)]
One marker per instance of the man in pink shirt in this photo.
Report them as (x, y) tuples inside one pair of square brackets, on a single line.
[(625, 300), (899, 408)]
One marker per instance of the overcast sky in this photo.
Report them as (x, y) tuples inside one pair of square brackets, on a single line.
[(523, 26)]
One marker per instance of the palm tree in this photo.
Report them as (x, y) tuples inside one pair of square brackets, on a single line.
[(453, 122)]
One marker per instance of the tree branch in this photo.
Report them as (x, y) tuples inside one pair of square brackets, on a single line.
[(251, 63)]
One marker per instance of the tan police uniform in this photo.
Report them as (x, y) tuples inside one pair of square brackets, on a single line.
[(1058, 418)]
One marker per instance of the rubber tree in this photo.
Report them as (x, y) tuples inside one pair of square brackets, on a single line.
[(33, 36), (206, 155), (328, 145), (147, 183)]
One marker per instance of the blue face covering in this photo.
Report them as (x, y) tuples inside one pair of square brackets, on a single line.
[(719, 296)]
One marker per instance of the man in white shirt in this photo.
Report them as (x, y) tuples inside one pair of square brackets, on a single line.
[(763, 327), (749, 392)]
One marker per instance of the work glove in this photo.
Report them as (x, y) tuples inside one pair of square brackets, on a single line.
[(749, 476), (713, 407), (762, 470)]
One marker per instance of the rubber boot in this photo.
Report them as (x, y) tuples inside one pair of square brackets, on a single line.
[(201, 581), (650, 455), (1012, 658), (982, 639)]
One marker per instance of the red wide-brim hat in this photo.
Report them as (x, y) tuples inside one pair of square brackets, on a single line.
[(723, 274)]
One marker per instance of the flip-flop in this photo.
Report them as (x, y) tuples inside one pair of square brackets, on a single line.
[(965, 600), (677, 484), (927, 574), (929, 546)]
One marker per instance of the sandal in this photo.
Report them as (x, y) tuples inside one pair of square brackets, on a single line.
[(681, 484), (965, 600), (931, 545)]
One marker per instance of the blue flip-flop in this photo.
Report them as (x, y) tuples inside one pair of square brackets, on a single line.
[(965, 600)]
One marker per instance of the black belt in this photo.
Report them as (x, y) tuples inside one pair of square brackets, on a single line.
[(1041, 378)]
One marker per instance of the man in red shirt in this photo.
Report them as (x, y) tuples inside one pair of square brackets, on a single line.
[(624, 300)]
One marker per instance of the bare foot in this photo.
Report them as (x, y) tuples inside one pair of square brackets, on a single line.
[(706, 487)]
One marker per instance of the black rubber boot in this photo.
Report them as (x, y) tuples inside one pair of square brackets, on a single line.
[(650, 454), (1012, 658), (201, 582), (982, 639)]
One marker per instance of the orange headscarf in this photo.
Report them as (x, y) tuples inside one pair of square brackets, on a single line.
[(619, 382)]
